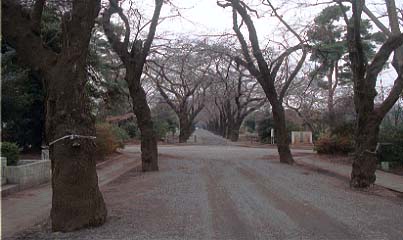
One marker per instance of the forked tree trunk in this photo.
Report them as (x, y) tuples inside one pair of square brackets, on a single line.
[(76, 200), (365, 75), (149, 149)]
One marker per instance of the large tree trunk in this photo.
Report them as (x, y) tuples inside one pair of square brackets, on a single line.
[(365, 160), (283, 145), (185, 129), (76, 200), (365, 76), (149, 150)]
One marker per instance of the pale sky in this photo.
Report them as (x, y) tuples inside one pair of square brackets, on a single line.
[(205, 17)]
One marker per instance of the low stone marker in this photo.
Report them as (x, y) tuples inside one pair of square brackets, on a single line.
[(301, 137)]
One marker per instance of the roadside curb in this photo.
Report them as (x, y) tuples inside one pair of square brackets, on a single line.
[(338, 174), (8, 189)]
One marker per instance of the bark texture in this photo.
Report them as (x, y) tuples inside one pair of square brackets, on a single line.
[(76, 200), (185, 127)]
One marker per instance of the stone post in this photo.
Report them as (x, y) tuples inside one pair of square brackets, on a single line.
[(45, 154), (3, 167)]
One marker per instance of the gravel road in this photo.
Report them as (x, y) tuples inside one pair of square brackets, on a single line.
[(231, 192)]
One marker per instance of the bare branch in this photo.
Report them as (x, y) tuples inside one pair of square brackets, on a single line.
[(153, 27)]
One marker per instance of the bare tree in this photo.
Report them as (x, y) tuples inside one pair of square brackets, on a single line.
[(76, 199), (133, 55), (305, 101), (369, 115), (267, 73), (182, 77), (237, 96)]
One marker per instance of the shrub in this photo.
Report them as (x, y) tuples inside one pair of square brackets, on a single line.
[(250, 125), (107, 140), (324, 145), (120, 133), (161, 128), (11, 152), (131, 129), (334, 145), (264, 128), (389, 152), (391, 134), (344, 129), (344, 145), (391, 148)]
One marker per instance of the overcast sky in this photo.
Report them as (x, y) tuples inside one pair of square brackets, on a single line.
[(205, 17)]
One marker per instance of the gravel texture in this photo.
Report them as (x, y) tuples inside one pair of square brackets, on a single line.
[(229, 192)]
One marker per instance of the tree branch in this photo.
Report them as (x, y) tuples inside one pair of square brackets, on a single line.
[(153, 27), (121, 48), (293, 75), (36, 16), (17, 31)]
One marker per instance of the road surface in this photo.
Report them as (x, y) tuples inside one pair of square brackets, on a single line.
[(231, 192)]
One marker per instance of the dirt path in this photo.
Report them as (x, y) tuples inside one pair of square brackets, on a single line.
[(231, 192)]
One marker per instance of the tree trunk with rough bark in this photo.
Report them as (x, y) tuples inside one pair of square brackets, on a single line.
[(365, 159), (76, 199), (281, 134), (149, 150), (185, 128)]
